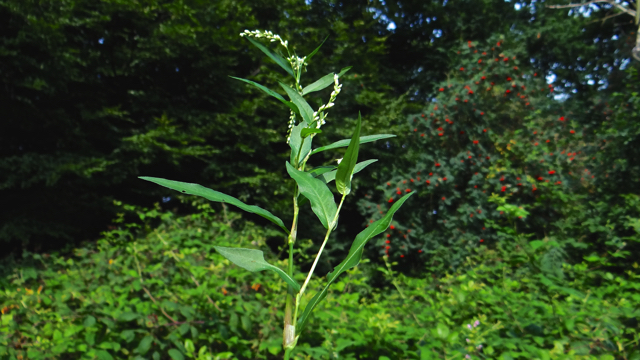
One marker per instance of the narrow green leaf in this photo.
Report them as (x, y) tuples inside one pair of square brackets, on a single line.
[(345, 142), (291, 105), (305, 109), (321, 198), (306, 132), (253, 260), (321, 170), (323, 82), (199, 190), (316, 50), (352, 259), (344, 174), (330, 176), (295, 141), (275, 57)]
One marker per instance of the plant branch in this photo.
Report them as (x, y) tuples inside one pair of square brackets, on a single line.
[(315, 262), (610, 2)]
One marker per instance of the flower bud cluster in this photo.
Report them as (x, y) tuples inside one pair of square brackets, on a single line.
[(298, 63), (292, 122), (267, 35), (320, 115)]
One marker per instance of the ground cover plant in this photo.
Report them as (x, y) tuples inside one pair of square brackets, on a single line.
[(162, 292), (312, 185)]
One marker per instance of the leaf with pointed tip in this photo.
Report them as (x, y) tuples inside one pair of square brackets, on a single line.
[(344, 174), (330, 176), (275, 57), (295, 141), (253, 260), (199, 190), (321, 198), (321, 170), (306, 132), (352, 259), (305, 109), (323, 82), (316, 50), (291, 105), (317, 173), (345, 142)]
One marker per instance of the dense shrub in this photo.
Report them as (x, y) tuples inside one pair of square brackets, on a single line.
[(162, 293)]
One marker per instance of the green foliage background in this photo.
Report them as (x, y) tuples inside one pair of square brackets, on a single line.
[(96, 93)]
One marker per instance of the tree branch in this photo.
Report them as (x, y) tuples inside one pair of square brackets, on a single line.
[(610, 2)]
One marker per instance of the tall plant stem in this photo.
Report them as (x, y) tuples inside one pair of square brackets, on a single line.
[(326, 237), (289, 330)]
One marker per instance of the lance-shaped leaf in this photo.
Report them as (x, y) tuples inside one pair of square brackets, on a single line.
[(317, 173), (275, 57), (323, 82), (291, 105), (295, 141), (199, 190), (344, 174), (346, 142), (321, 198), (352, 259), (253, 260), (321, 170), (305, 109), (306, 132), (330, 176), (308, 57)]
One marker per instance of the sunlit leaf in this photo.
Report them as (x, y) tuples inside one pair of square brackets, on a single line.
[(323, 82), (331, 175), (275, 57), (344, 174), (345, 142), (321, 198), (291, 105), (305, 109), (253, 260), (199, 190)]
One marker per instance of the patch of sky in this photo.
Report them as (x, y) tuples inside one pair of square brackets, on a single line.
[(101, 41), (377, 14), (177, 69), (166, 199)]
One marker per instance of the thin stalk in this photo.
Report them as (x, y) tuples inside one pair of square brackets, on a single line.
[(313, 267), (288, 332), (326, 237)]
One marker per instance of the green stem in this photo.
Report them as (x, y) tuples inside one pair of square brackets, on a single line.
[(288, 332), (326, 237), (315, 262)]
